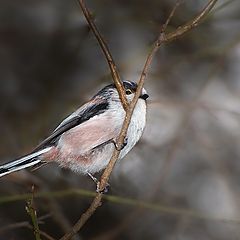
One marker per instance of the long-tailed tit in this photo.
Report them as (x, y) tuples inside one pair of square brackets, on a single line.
[(85, 140)]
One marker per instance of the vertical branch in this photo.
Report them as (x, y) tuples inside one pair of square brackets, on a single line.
[(32, 213)]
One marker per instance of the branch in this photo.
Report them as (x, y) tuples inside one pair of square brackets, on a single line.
[(162, 38), (14, 226), (32, 213), (107, 53), (190, 24)]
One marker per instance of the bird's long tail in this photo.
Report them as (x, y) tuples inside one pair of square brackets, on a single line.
[(24, 162)]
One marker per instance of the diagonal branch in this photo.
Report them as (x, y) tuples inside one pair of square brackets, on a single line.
[(190, 24), (162, 38), (107, 53)]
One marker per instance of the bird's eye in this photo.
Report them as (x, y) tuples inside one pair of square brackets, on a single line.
[(128, 91)]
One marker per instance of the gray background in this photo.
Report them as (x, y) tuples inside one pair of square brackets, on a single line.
[(189, 156)]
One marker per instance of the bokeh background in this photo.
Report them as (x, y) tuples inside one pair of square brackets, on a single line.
[(189, 156)]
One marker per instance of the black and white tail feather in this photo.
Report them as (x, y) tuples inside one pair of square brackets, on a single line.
[(24, 162)]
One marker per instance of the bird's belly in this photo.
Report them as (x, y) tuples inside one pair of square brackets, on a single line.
[(91, 162), (77, 148)]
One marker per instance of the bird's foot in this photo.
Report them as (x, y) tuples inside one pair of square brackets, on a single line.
[(104, 190), (97, 182), (121, 147)]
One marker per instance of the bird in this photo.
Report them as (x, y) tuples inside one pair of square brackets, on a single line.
[(84, 141)]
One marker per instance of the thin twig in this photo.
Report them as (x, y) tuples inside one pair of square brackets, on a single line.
[(54, 207), (46, 235), (21, 225), (32, 213), (162, 38), (164, 26), (107, 53), (15, 226), (190, 24)]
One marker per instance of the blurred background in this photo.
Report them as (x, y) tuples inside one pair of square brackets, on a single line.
[(189, 156)]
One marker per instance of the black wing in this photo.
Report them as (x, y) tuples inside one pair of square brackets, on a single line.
[(88, 111)]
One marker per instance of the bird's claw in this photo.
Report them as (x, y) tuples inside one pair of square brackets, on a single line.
[(98, 189), (104, 190), (123, 145)]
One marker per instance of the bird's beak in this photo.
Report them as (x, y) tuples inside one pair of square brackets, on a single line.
[(144, 96)]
